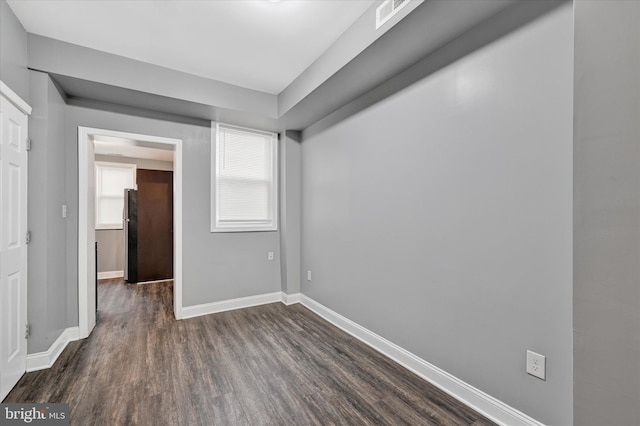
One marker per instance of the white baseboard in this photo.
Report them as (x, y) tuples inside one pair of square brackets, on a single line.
[(43, 360), (485, 404), (110, 274), (290, 299), (153, 282), (229, 305)]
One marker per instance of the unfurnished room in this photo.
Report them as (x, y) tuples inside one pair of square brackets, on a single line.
[(320, 212)]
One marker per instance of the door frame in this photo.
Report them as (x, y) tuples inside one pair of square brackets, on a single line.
[(86, 222)]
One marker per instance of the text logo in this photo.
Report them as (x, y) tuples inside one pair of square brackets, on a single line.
[(34, 414)]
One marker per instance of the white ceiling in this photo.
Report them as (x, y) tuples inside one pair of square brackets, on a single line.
[(257, 44)]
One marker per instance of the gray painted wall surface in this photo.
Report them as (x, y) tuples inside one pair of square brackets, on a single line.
[(111, 241), (607, 213), (47, 298), (441, 217), (13, 52), (290, 211), (215, 266)]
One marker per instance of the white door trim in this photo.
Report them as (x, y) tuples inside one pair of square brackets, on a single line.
[(86, 225), (14, 98)]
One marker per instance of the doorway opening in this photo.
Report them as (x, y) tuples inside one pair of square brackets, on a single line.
[(93, 144)]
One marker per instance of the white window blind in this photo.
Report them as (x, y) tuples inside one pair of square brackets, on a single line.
[(245, 179), (111, 181)]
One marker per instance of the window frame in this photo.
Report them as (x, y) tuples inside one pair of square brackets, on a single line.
[(97, 196), (216, 225)]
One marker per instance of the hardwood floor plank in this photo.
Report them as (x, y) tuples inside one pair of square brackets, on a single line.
[(266, 365), (400, 414), (227, 410)]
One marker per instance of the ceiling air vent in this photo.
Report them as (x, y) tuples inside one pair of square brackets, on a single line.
[(387, 9)]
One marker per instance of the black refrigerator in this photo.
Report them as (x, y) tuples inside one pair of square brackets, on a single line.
[(130, 227)]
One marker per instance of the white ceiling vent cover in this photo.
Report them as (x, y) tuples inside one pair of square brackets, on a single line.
[(387, 9)]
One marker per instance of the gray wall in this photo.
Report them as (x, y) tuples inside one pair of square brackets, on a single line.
[(607, 213), (47, 287), (13, 52), (215, 266), (111, 241), (290, 211), (441, 217)]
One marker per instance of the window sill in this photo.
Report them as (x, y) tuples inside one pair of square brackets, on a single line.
[(241, 229)]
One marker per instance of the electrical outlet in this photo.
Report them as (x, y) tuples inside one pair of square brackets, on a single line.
[(308, 275), (270, 256), (64, 211), (537, 365)]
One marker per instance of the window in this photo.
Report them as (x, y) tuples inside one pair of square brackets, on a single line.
[(111, 181), (244, 179)]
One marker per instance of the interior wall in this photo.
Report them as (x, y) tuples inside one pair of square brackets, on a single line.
[(607, 213), (441, 217), (290, 214), (111, 241), (13, 52), (216, 266), (47, 274)]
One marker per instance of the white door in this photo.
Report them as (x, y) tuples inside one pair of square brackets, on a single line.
[(13, 250)]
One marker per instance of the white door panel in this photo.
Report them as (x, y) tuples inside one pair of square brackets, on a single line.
[(13, 250)]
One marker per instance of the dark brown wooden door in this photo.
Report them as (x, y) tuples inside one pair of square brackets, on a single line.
[(155, 225)]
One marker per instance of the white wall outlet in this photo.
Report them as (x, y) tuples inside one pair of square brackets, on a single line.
[(270, 256), (308, 275), (64, 211), (537, 365)]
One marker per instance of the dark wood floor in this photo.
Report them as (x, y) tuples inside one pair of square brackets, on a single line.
[(265, 365)]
